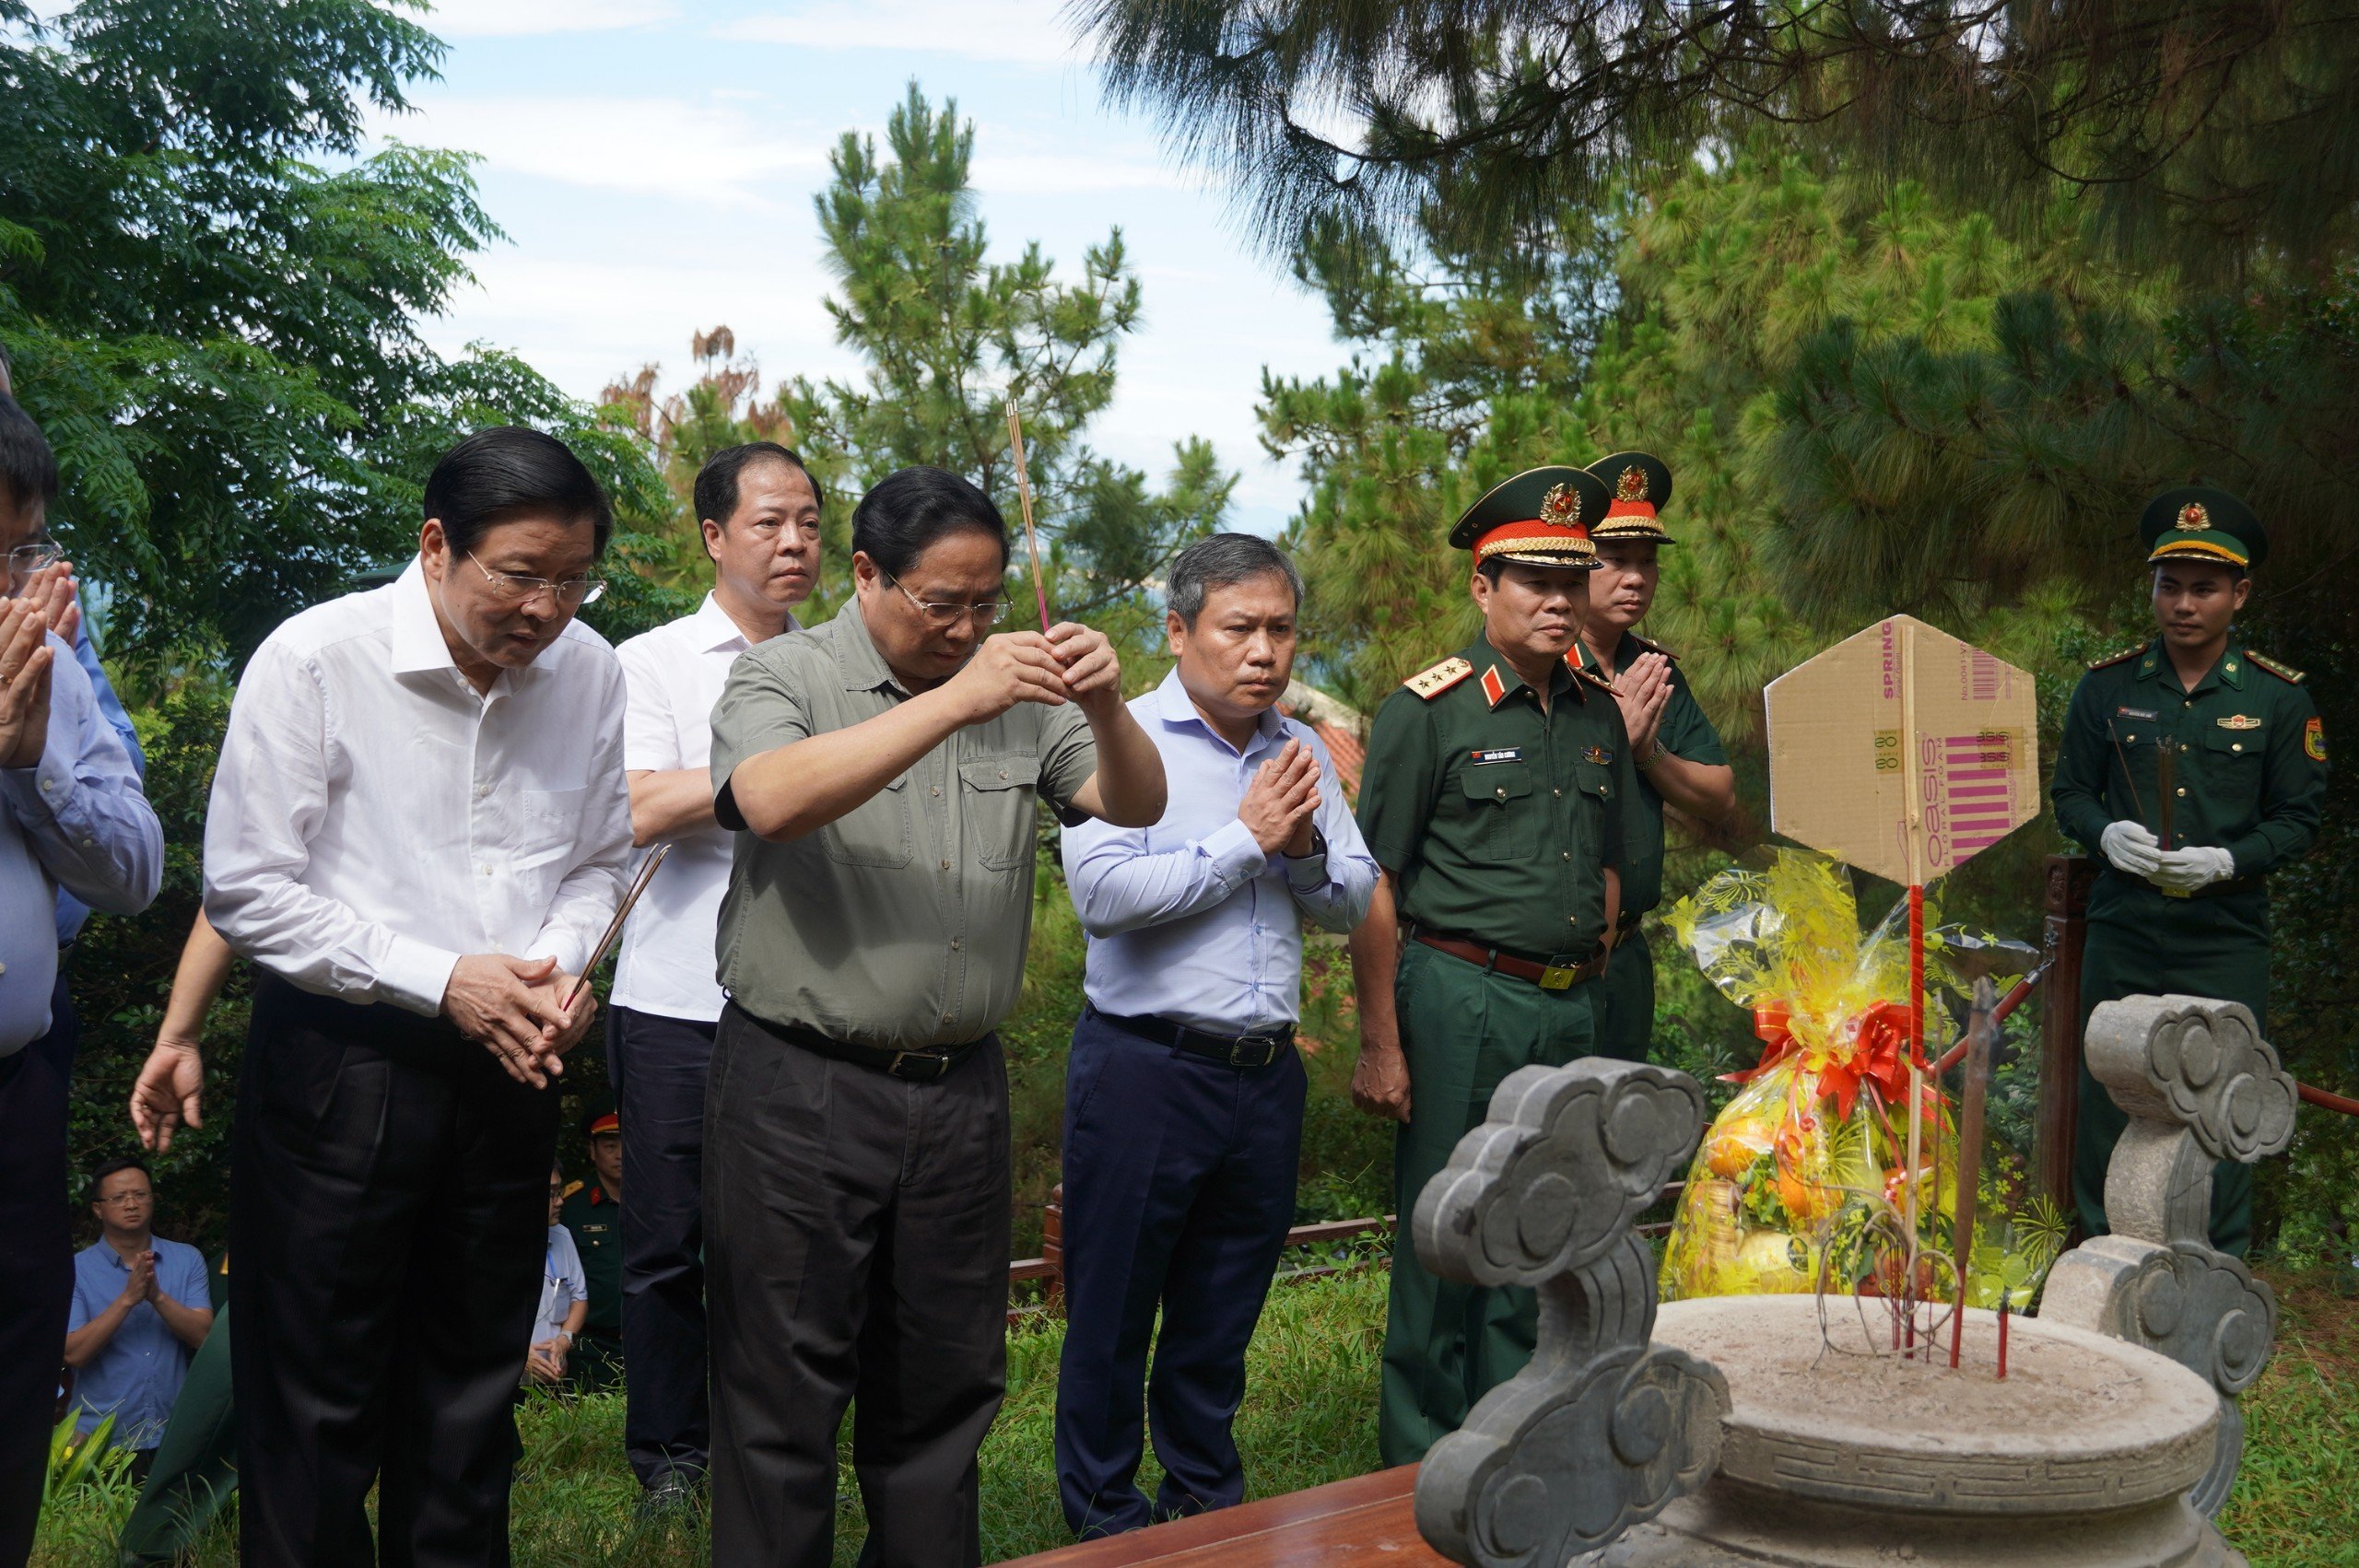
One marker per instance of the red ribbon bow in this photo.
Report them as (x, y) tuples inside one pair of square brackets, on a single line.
[(1881, 1035)]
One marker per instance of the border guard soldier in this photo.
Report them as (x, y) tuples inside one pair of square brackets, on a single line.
[(2194, 767), (1497, 787), (1673, 744)]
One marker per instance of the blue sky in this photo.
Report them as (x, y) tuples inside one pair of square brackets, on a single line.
[(653, 164)]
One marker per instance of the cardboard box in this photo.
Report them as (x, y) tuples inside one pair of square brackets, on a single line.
[(1902, 750)]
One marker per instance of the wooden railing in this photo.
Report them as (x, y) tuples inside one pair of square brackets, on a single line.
[(1047, 1271)]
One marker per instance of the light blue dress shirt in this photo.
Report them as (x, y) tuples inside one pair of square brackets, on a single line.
[(71, 911), (137, 1374), (1188, 920), (76, 820)]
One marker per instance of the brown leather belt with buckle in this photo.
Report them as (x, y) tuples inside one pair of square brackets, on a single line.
[(1248, 1051), (1557, 974)]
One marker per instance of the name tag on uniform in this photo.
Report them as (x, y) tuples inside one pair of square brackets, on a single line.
[(2148, 714), (1495, 753)]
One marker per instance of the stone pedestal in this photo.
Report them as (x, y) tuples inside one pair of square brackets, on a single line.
[(1832, 1456)]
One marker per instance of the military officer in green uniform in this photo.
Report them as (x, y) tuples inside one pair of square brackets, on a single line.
[(2193, 766), (594, 1212), (1673, 744), (1494, 800)]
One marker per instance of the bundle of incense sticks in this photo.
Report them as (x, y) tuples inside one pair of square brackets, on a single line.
[(615, 926), (1023, 498)]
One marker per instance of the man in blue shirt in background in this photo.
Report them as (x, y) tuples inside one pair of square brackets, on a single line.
[(1184, 1093), (141, 1308), (73, 819)]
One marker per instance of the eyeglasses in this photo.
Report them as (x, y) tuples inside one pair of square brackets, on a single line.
[(947, 615), (123, 1199), (572, 592), (27, 559)]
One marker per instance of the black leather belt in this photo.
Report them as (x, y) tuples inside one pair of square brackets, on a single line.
[(928, 1064), (1233, 1050)]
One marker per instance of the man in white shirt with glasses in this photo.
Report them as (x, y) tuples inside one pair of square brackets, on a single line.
[(759, 510), (419, 830)]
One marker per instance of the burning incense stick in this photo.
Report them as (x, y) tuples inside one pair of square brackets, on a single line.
[(1024, 496), (615, 926)]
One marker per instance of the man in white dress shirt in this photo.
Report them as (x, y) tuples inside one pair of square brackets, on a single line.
[(418, 829), (1184, 1093), (759, 508)]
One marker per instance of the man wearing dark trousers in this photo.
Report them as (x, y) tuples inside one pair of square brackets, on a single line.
[(73, 819), (761, 510), (417, 831), (884, 771), (1184, 1095)]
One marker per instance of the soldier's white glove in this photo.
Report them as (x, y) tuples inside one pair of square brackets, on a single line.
[(2132, 848), (2184, 871)]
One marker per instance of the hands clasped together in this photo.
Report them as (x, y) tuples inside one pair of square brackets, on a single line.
[(1643, 691), (1280, 806), (1069, 662), (25, 658), (2132, 848)]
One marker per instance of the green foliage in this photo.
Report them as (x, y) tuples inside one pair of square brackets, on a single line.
[(947, 335), (212, 302), (78, 1461), (2218, 132)]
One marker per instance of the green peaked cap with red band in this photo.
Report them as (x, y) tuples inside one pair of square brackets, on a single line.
[(1541, 518), (1639, 485)]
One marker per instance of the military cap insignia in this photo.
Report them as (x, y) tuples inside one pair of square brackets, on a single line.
[(1561, 507), (2238, 721), (2113, 659), (2282, 672), (1632, 485), (1431, 684), (2193, 518), (2314, 738), (2196, 522)]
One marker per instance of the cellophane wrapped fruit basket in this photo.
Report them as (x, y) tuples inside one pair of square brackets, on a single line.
[(1801, 1183)]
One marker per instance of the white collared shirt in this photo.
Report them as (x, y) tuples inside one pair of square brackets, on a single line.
[(374, 819), (675, 674)]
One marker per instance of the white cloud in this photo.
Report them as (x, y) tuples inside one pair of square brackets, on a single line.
[(658, 146), (508, 18), (1066, 174), (1027, 31)]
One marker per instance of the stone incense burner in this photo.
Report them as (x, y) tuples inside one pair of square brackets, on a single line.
[(1749, 1430)]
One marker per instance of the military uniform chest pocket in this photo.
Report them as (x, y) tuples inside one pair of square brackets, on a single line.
[(874, 832), (1504, 821), (995, 795), (2232, 768)]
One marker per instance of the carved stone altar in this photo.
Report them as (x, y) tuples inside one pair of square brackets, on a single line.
[(1777, 1429)]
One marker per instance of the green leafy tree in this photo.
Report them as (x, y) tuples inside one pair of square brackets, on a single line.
[(212, 299), (947, 335)]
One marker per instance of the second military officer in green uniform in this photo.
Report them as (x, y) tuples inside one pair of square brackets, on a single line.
[(1672, 743), (594, 1212), (2193, 766), (1495, 790)]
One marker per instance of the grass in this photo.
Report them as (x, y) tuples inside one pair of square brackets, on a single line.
[(1309, 1419)]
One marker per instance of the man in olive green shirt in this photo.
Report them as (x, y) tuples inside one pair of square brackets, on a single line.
[(1677, 751), (1498, 801), (2181, 898), (881, 772)]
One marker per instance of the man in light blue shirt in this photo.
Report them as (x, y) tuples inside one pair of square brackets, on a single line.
[(141, 1308), (72, 817), (1184, 1093)]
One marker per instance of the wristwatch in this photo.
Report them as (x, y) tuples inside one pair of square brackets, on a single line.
[(1655, 755), (1318, 845)]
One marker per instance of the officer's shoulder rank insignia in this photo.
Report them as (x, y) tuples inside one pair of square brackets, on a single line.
[(2112, 659), (2238, 721), (1431, 684), (2282, 672), (1647, 647), (2314, 738), (1594, 676)]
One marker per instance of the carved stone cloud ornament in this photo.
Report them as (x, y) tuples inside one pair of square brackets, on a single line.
[(1600, 1431)]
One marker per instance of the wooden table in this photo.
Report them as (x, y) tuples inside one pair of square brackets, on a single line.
[(1365, 1521)]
